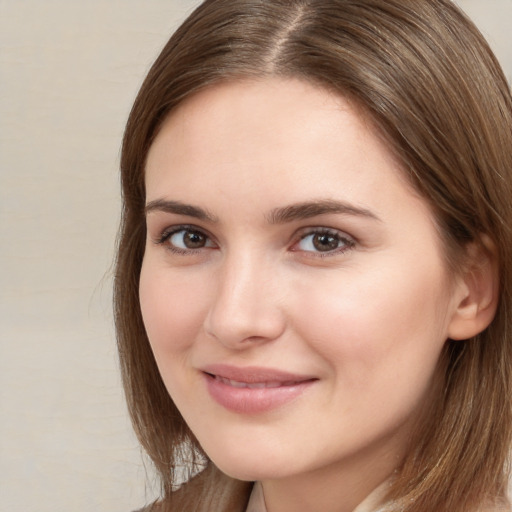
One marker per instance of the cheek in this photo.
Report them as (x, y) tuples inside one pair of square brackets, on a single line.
[(380, 333), (172, 308)]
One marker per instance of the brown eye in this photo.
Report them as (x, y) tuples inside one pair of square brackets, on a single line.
[(325, 242), (188, 239), (194, 240)]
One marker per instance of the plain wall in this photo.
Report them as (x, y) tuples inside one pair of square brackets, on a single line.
[(69, 71)]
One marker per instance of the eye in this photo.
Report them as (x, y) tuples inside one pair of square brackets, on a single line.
[(185, 239), (324, 241)]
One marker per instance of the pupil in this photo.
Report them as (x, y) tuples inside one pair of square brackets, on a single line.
[(194, 240), (325, 242)]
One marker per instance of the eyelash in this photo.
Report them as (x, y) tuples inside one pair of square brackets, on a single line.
[(347, 241), (168, 233)]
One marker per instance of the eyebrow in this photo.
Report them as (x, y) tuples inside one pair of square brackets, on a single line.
[(179, 208), (306, 210), (290, 213)]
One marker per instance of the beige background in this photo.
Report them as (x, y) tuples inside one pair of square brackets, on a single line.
[(69, 71)]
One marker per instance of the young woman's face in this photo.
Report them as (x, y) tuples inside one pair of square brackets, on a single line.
[(293, 286)]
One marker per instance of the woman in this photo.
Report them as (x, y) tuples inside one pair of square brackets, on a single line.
[(313, 279)]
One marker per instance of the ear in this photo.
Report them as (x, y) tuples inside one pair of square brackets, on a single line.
[(477, 291)]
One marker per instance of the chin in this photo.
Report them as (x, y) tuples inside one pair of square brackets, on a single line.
[(254, 466)]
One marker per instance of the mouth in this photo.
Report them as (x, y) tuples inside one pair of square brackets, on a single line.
[(253, 385), (254, 390)]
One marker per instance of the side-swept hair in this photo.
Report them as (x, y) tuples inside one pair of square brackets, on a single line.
[(434, 90)]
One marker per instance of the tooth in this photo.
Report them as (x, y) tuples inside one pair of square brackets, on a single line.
[(253, 385), (257, 385), (237, 384)]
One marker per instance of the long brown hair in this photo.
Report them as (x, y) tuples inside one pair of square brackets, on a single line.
[(431, 85)]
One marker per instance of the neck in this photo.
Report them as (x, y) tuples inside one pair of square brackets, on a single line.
[(340, 487)]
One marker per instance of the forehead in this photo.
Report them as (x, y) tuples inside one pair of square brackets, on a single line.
[(279, 139)]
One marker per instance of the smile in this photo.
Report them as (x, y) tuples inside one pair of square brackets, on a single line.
[(254, 390), (254, 385)]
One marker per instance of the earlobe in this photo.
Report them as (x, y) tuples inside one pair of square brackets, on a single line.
[(477, 290)]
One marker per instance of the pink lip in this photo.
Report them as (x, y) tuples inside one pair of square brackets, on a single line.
[(252, 389)]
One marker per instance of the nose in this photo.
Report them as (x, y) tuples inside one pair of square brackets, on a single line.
[(248, 306)]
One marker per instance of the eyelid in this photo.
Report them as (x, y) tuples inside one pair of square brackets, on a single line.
[(349, 240), (169, 231)]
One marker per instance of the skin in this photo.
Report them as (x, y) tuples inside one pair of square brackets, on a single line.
[(367, 318)]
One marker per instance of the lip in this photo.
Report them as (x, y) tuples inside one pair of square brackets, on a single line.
[(252, 389)]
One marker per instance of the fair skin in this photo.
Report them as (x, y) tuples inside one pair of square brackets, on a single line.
[(335, 313)]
